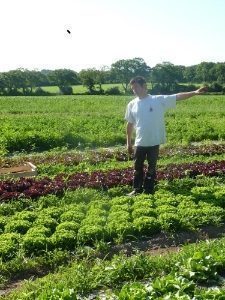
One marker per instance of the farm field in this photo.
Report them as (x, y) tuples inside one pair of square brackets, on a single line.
[(31, 124), (72, 233), (79, 89)]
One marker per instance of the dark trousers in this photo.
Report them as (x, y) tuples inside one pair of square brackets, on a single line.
[(146, 182)]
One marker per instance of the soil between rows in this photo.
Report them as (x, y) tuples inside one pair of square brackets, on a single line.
[(164, 242)]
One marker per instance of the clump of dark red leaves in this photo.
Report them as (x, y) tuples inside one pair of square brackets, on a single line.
[(205, 150), (30, 188), (173, 171), (33, 188), (99, 179)]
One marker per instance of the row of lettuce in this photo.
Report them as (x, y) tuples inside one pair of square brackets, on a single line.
[(195, 272), (43, 124), (120, 154), (70, 162), (110, 220), (34, 188)]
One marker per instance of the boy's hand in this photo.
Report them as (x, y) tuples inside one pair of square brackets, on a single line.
[(130, 149), (202, 90)]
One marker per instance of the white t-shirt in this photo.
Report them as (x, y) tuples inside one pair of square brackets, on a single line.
[(147, 115)]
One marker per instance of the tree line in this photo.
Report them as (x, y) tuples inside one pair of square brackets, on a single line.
[(163, 78)]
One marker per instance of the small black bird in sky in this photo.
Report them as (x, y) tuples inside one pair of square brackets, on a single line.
[(68, 31)]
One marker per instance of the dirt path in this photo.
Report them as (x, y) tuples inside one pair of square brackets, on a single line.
[(164, 243)]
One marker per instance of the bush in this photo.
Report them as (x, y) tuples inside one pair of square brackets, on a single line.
[(185, 88), (40, 92), (173, 88), (66, 90), (160, 89), (215, 87), (113, 91), (13, 92), (94, 92)]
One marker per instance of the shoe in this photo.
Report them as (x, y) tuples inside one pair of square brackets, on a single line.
[(134, 193)]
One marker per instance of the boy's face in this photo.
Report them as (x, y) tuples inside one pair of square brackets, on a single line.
[(138, 89)]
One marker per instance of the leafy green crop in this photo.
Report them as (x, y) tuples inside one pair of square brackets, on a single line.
[(37, 125)]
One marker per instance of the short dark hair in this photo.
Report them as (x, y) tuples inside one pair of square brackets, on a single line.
[(138, 79)]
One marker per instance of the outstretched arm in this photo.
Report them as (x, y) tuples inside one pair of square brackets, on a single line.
[(184, 96)]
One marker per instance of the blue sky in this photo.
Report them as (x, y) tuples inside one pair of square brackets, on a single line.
[(185, 32)]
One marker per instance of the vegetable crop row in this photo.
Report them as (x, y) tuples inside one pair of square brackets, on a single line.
[(33, 188), (46, 123), (93, 157), (123, 218), (197, 271)]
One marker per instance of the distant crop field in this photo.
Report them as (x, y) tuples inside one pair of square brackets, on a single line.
[(79, 89), (43, 123)]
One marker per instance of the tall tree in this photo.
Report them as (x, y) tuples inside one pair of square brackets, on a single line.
[(125, 69), (204, 72), (219, 72), (3, 83), (88, 78), (15, 80), (101, 76), (166, 75), (190, 74), (63, 77)]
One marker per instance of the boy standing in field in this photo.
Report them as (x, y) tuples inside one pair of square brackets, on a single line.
[(145, 113)]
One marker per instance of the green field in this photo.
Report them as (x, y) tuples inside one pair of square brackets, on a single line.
[(63, 241), (80, 89), (43, 123)]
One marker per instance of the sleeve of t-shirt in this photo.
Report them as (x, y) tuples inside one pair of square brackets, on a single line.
[(168, 101), (128, 114)]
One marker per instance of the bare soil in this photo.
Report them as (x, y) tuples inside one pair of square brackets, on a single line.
[(164, 243)]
